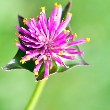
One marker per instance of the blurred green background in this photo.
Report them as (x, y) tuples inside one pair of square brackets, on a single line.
[(81, 88)]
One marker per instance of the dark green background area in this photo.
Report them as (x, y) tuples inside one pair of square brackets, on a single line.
[(81, 88)]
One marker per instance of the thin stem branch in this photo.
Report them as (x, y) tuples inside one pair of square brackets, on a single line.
[(35, 97)]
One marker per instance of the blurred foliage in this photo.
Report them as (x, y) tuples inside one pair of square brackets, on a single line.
[(85, 88)]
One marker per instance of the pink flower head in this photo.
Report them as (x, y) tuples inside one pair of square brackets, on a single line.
[(46, 40)]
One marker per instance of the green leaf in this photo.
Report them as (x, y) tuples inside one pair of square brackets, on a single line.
[(15, 62), (21, 24), (66, 9), (79, 61)]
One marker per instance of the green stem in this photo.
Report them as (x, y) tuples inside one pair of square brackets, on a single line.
[(35, 97)]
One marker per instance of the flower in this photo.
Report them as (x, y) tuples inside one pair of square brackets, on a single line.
[(46, 40)]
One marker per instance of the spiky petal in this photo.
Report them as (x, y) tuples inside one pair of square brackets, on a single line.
[(46, 40)]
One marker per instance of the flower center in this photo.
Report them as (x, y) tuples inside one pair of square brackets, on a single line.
[(42, 39)]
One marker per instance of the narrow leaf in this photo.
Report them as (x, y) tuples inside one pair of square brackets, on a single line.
[(66, 9)]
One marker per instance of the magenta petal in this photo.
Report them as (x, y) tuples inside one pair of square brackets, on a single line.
[(77, 42), (43, 23), (73, 51), (46, 74), (58, 60), (77, 52), (68, 57), (40, 57), (33, 45), (60, 43), (20, 46), (37, 67), (23, 30), (50, 63), (64, 24), (70, 37)]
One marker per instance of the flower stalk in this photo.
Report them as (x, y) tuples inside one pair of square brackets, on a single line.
[(35, 97)]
